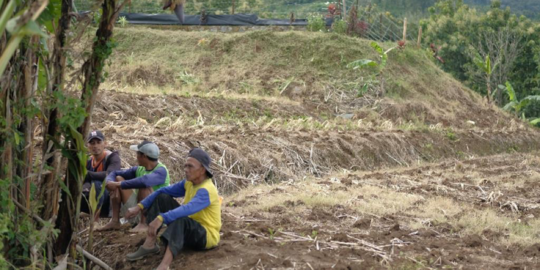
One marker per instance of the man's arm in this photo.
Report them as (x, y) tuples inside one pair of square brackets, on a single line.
[(177, 190), (113, 164), (126, 174), (155, 178), (200, 201)]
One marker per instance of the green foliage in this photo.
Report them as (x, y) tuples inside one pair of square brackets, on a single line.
[(517, 106), (461, 31), (484, 65), (372, 81), (364, 63), (97, 17), (95, 199), (316, 23), (122, 21), (16, 30), (339, 26), (4, 223), (71, 109), (451, 135)]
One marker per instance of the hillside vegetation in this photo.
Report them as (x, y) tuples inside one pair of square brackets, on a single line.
[(417, 171), (260, 82)]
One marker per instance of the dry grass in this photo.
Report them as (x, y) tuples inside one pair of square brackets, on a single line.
[(368, 197), (434, 210), (289, 66)]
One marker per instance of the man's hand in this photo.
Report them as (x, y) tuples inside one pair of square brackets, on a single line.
[(132, 212), (153, 227), (112, 186)]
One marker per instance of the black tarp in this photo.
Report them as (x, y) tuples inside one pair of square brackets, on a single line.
[(212, 20)]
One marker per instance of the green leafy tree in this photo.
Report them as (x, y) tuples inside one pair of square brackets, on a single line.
[(463, 32)]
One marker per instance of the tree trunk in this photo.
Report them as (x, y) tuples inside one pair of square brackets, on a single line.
[(59, 68), (26, 127), (488, 79), (49, 188), (101, 49), (92, 71)]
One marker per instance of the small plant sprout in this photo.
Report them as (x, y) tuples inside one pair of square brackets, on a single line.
[(272, 233), (123, 21)]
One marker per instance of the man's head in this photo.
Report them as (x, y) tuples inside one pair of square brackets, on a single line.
[(96, 142), (197, 166), (147, 152)]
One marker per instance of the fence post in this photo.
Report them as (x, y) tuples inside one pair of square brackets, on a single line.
[(344, 11), (232, 7), (405, 29), (380, 27), (419, 37)]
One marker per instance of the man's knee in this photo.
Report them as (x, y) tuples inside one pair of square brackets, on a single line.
[(163, 197)]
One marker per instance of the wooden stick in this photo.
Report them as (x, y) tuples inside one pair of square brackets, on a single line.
[(232, 7), (36, 217), (344, 11), (93, 258), (419, 37), (405, 29)]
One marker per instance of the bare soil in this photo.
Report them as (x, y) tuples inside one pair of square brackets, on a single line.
[(296, 235), (421, 174)]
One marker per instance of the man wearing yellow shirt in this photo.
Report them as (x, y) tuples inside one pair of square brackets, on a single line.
[(195, 224)]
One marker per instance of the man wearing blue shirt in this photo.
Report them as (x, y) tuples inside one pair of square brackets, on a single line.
[(144, 179), (195, 224)]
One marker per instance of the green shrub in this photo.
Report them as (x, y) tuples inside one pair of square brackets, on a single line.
[(339, 26), (316, 23)]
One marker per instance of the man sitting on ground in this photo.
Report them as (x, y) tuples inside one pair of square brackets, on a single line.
[(149, 176), (100, 163), (196, 224)]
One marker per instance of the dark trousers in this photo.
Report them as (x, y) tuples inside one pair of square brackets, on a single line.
[(179, 11), (183, 232)]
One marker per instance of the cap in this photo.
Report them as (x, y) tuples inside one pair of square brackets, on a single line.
[(148, 148), (96, 134), (203, 157)]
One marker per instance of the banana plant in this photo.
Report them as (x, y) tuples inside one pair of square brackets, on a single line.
[(365, 63), (93, 203), (516, 106), (19, 26), (487, 68), (368, 63)]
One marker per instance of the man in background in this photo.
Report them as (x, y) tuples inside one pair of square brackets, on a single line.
[(99, 165), (138, 181)]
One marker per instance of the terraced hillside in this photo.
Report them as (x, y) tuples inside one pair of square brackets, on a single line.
[(316, 173)]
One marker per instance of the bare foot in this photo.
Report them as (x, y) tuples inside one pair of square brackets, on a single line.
[(140, 228), (112, 225)]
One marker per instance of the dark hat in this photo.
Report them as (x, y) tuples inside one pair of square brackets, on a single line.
[(148, 148), (203, 157), (96, 134)]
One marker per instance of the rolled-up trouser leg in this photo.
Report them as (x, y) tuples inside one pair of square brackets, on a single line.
[(184, 232), (162, 204), (179, 11)]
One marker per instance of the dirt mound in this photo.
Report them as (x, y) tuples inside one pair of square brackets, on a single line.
[(310, 68), (245, 154)]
